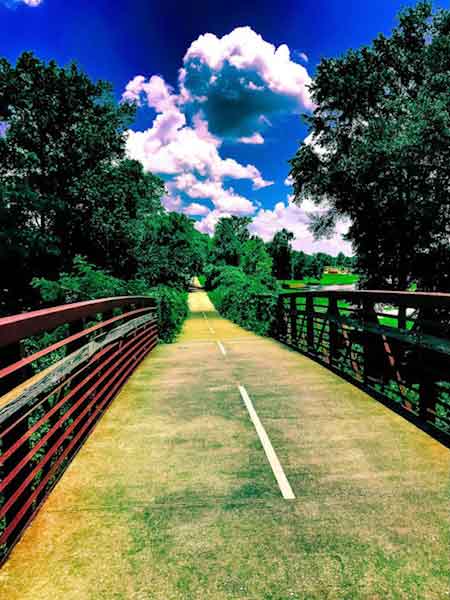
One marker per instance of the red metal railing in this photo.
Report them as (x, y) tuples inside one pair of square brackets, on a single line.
[(51, 397)]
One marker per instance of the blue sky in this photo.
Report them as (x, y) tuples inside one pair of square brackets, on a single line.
[(220, 133)]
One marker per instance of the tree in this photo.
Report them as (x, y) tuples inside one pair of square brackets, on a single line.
[(315, 267), (255, 259), (170, 250), (121, 200), (299, 264), (340, 260), (230, 235), (60, 136), (280, 250), (380, 151)]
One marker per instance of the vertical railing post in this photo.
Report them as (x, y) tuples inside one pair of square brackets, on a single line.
[(427, 388), (333, 315), (401, 318), (293, 316), (369, 339), (75, 327), (309, 307)]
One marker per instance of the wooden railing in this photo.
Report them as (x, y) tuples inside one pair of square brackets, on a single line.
[(395, 345), (60, 368)]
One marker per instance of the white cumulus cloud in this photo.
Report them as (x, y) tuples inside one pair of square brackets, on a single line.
[(240, 77), (195, 209), (208, 224), (296, 219), (228, 88), (256, 138), (15, 3)]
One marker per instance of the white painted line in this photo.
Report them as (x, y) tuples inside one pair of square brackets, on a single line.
[(222, 348), (207, 322), (277, 469)]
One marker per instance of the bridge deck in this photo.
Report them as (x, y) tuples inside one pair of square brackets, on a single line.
[(173, 498)]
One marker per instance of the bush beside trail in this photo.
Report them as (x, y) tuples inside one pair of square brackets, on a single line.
[(247, 301), (88, 282)]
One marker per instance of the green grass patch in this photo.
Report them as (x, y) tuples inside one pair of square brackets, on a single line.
[(327, 279)]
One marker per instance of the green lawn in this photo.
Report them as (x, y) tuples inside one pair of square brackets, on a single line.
[(327, 279)]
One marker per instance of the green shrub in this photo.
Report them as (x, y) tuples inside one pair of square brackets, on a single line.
[(172, 310), (247, 301), (209, 274), (88, 282)]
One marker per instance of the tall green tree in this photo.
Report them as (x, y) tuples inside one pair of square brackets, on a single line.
[(380, 151), (60, 136), (121, 202), (170, 250), (255, 259), (230, 235), (280, 250), (315, 267), (340, 259), (300, 262)]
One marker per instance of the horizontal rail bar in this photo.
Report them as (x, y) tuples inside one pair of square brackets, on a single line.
[(57, 345), (410, 299), (17, 327)]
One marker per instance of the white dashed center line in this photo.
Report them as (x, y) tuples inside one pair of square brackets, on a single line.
[(207, 322), (277, 469), (222, 348)]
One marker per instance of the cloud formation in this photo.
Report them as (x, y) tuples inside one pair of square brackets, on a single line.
[(187, 153), (229, 88), (256, 138), (236, 79), (296, 219), (15, 3)]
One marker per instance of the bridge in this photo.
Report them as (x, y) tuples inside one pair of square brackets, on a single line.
[(227, 465)]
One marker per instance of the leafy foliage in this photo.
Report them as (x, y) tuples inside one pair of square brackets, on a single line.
[(245, 300), (170, 250), (88, 282), (62, 131), (280, 251), (380, 151), (255, 258), (172, 310), (229, 237)]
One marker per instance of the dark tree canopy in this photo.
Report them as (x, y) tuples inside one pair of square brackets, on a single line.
[(380, 151), (170, 250), (299, 264), (230, 234), (280, 251), (60, 131), (67, 189)]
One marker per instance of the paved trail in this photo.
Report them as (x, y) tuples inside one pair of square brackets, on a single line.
[(174, 498)]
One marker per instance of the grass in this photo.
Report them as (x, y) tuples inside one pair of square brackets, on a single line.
[(172, 497), (327, 279)]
